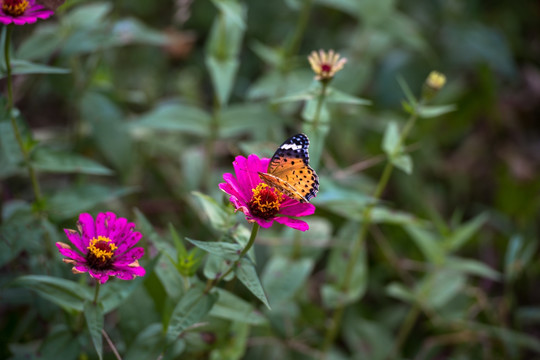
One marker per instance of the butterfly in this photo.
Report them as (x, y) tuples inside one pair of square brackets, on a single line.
[(289, 170)]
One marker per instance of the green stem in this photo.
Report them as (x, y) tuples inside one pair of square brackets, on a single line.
[(294, 43), (20, 142), (405, 329), (358, 244), (96, 293), (320, 102), (254, 231)]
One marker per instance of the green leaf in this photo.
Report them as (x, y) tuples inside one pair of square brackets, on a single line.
[(403, 162), (86, 16), (72, 201), (217, 265), (132, 31), (391, 140), (231, 307), (44, 41), (312, 109), (505, 335), (304, 95), (148, 344), (235, 343), (340, 97), (64, 293), (170, 278), (109, 131), (19, 67), (407, 91), (246, 273), (399, 291), (11, 241), (439, 287), (64, 162), (223, 47), (518, 255), (11, 151), (337, 292), (222, 73), (465, 232), (223, 249), (283, 277), (239, 119), (115, 293), (233, 10), (175, 117), (95, 320), (384, 215), (431, 111), (427, 242), (60, 343), (193, 307), (212, 212), (472, 267)]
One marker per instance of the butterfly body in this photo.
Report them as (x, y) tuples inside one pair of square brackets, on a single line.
[(289, 170)]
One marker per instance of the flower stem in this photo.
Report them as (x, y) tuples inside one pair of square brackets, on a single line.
[(96, 293), (20, 142), (320, 102), (254, 231), (337, 317)]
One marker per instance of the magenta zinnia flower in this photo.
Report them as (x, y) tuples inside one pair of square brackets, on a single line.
[(258, 201), (22, 12), (105, 247)]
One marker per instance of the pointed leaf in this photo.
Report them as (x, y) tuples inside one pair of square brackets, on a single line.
[(64, 293), (403, 162), (431, 111), (247, 274), (465, 232), (212, 212), (391, 139), (64, 162), (95, 320), (231, 307), (428, 243), (191, 308), (222, 249)]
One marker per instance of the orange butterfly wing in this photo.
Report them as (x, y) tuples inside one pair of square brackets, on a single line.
[(289, 170)]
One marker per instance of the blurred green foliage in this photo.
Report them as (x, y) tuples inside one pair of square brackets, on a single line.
[(140, 107)]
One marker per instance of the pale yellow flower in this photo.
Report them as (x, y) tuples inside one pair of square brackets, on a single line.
[(435, 80), (326, 64)]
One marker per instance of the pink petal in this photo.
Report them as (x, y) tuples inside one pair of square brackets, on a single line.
[(298, 209), (293, 223), (82, 268), (72, 254), (131, 239), (86, 228), (6, 19), (264, 223), (232, 187), (101, 276), (103, 222), (118, 230), (130, 256), (128, 273), (75, 238)]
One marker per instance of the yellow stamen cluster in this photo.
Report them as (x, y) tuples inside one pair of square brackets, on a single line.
[(102, 247), (435, 80), (326, 64), (265, 202), (14, 7)]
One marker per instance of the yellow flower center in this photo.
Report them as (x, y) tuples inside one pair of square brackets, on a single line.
[(265, 201), (100, 252), (14, 7)]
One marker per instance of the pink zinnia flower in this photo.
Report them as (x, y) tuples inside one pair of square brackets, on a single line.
[(105, 247), (22, 12), (258, 201)]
